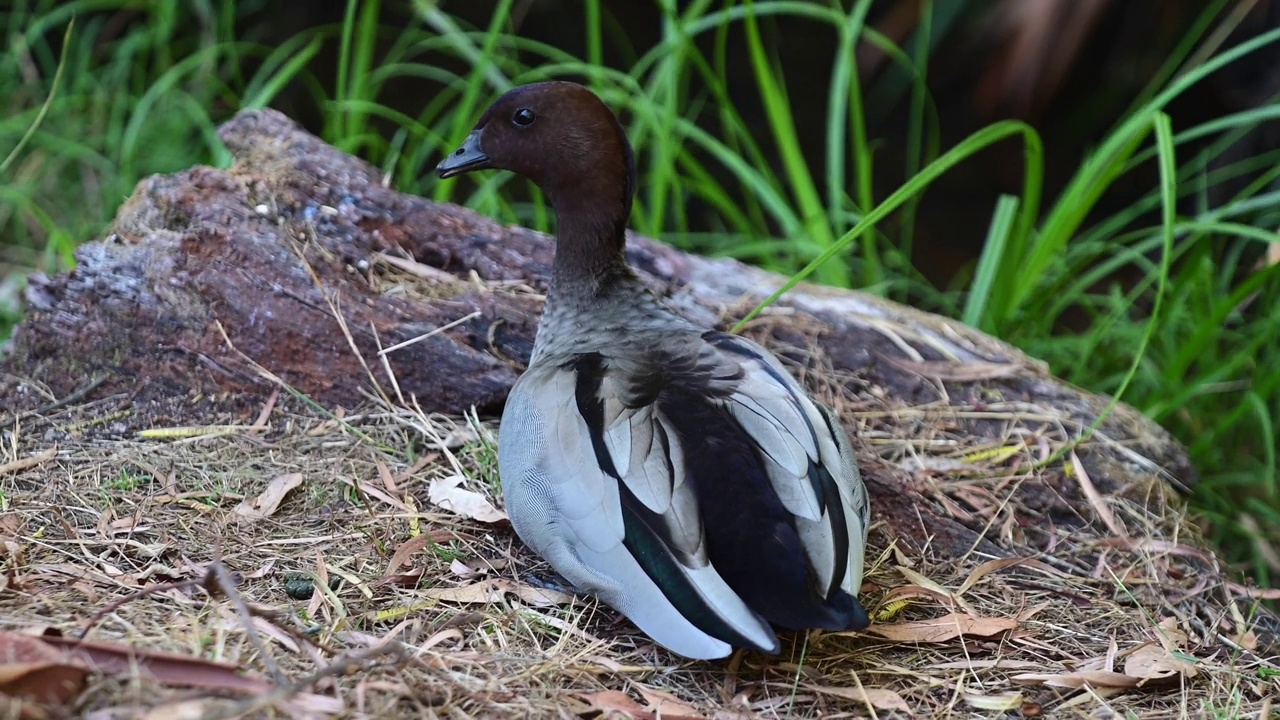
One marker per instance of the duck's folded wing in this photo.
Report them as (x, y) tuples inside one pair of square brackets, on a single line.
[(606, 504), (806, 453)]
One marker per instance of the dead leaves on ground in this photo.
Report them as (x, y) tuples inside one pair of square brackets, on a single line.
[(492, 591), (51, 670), (35, 671), (951, 626), (268, 502), (1156, 661), (448, 494), (1161, 660), (878, 698), (656, 704), (964, 620)]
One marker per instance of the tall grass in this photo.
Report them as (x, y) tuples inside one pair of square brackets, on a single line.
[(1189, 338)]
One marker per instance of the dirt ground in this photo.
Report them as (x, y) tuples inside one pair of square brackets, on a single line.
[(358, 564)]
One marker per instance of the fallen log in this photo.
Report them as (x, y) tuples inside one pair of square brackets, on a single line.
[(299, 265)]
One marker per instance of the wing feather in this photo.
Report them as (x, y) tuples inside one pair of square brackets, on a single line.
[(827, 496)]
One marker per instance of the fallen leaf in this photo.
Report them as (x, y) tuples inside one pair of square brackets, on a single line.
[(949, 627), (442, 636), (1152, 663), (665, 705), (33, 670), (404, 555), (126, 661), (879, 698), (616, 701), (448, 494), (931, 585), (1170, 635), (188, 709), (1003, 702), (490, 591), (462, 570), (266, 504), (998, 564), (541, 597), (1077, 680), (1099, 503), (658, 704)]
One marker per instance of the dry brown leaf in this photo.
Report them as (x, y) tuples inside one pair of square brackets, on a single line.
[(167, 668), (462, 570), (665, 705), (184, 670), (193, 709), (657, 704), (1077, 680), (1254, 593), (1099, 503), (879, 698), (935, 587), (407, 550), (33, 670), (266, 504), (449, 494), (490, 591), (404, 554), (906, 592), (541, 597), (616, 701), (1003, 702), (1170, 635), (372, 491), (949, 627), (991, 566), (1152, 663), (927, 583), (10, 523)]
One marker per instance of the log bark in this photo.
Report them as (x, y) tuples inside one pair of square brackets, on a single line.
[(293, 262)]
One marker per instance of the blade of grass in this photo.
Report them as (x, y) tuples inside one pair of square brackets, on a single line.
[(993, 252), (1167, 160), (785, 136), (48, 100)]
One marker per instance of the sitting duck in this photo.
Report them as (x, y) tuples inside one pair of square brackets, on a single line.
[(679, 474)]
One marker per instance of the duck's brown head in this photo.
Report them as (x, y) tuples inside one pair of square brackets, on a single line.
[(560, 136)]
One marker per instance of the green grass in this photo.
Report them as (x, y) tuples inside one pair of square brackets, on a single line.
[(1189, 338)]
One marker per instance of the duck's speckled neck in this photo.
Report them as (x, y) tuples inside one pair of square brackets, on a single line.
[(596, 302)]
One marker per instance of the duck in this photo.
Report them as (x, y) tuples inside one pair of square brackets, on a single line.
[(678, 473)]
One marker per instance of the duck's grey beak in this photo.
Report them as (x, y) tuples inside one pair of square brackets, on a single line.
[(464, 159)]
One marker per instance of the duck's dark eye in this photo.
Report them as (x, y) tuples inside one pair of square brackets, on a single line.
[(523, 117)]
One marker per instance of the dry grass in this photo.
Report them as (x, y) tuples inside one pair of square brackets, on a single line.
[(429, 611)]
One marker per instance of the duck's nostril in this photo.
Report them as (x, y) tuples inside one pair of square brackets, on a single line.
[(459, 152)]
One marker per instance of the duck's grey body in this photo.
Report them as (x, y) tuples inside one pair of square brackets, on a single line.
[(599, 480), (680, 474)]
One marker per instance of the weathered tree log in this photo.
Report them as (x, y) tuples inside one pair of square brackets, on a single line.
[(280, 263)]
